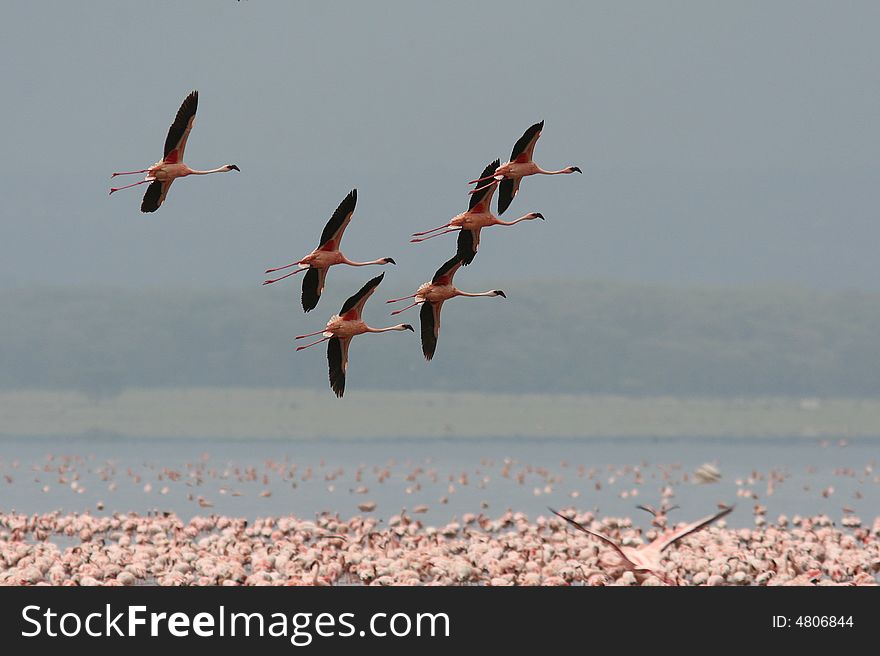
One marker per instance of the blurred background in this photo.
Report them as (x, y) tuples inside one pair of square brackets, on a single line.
[(721, 242)]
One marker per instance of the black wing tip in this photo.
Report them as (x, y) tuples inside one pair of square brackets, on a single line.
[(429, 339), (505, 195), (337, 373), (466, 251), (152, 196), (310, 292), (372, 282), (446, 266)]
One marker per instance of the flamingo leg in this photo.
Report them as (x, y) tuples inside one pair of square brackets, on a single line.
[(112, 189), (486, 186), (488, 177), (300, 348), (113, 175), (407, 308), (432, 236), (426, 232), (286, 266), (318, 332), (402, 298), (287, 275)]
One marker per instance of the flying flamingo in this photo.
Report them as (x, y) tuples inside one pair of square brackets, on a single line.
[(469, 223), (431, 296), (645, 558), (520, 165), (342, 327), (171, 166), (318, 262)]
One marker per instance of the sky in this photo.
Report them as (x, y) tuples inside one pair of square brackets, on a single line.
[(723, 144)]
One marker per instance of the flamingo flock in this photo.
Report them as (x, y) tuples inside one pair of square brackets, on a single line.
[(340, 328)]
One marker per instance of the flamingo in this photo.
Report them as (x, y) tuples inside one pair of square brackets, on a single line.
[(510, 174), (659, 515), (171, 166), (478, 216), (342, 327), (645, 559), (431, 296), (318, 262)]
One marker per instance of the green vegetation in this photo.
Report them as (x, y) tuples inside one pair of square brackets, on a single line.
[(235, 413), (570, 338)]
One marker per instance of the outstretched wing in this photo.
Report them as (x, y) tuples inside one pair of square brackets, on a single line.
[(339, 222), (524, 148), (468, 243), (482, 200), (178, 133), (507, 190), (446, 272), (337, 358), (313, 286), (155, 195), (354, 306), (584, 529), (672, 537), (430, 325)]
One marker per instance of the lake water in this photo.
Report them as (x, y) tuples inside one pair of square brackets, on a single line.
[(252, 478)]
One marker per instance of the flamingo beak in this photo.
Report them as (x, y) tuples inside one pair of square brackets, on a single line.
[(233, 167), (388, 260), (575, 168), (406, 326), (498, 292), (538, 215)]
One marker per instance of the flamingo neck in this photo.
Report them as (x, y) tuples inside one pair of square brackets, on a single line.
[(219, 169), (345, 260), (543, 172), (399, 326), (491, 292), (524, 217)]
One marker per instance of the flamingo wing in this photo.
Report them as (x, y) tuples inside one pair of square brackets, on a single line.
[(339, 221), (670, 538), (429, 316), (337, 359), (313, 286), (584, 529), (354, 306), (446, 272), (468, 244), (507, 190), (524, 148), (481, 200), (178, 133), (155, 195)]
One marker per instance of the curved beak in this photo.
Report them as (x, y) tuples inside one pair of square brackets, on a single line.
[(408, 327), (233, 167), (538, 215), (388, 260), (500, 293), (575, 168)]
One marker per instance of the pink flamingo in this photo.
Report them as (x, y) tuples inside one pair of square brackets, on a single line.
[(520, 165), (318, 262), (171, 166), (469, 223), (342, 327), (431, 296), (645, 558)]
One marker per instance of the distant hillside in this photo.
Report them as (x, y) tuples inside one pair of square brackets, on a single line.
[(588, 337)]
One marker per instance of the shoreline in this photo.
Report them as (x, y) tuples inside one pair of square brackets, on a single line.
[(301, 414)]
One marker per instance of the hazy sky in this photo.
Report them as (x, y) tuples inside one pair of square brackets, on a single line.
[(721, 143)]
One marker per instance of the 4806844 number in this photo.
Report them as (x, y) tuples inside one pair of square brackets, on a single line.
[(823, 621)]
